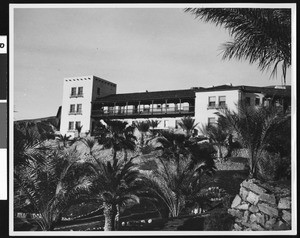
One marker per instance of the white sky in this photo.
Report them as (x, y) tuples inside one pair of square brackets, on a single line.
[(138, 49)]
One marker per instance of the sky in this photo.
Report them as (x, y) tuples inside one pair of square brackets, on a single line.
[(139, 49)]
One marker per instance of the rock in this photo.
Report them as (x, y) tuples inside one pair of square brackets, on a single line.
[(281, 226), (261, 218), (252, 198), (253, 209), (244, 193), (256, 227), (284, 203), (270, 223), (286, 216), (236, 201), (246, 216), (253, 218), (244, 206), (267, 198), (246, 224), (235, 213), (237, 227), (253, 187), (265, 208)]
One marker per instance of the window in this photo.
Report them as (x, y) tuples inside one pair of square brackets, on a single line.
[(98, 91), (73, 91), (165, 123), (211, 121), (257, 101), (72, 108), (211, 101), (79, 108), (77, 124), (222, 101), (71, 125), (80, 91), (247, 101)]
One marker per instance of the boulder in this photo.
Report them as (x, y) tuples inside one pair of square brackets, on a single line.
[(286, 216), (236, 201), (244, 193), (253, 218), (265, 208), (252, 198), (253, 209), (284, 203), (268, 198), (270, 223), (237, 227), (256, 227), (254, 187), (246, 216), (244, 206), (235, 213)]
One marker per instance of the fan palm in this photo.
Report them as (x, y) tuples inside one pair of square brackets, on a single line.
[(255, 128), (259, 35)]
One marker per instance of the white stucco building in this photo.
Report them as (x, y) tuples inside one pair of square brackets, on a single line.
[(87, 99)]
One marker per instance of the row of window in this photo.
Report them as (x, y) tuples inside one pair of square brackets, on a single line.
[(74, 125), (78, 109), (78, 92), (212, 101)]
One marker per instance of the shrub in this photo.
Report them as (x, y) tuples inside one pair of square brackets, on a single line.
[(273, 167), (219, 222)]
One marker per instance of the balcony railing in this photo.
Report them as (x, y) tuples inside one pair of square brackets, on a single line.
[(75, 113), (144, 112), (76, 95), (216, 106)]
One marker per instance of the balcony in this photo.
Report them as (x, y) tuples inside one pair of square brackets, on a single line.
[(76, 95), (75, 113), (144, 113), (216, 106)]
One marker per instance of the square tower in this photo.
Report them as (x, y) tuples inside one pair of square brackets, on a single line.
[(78, 93)]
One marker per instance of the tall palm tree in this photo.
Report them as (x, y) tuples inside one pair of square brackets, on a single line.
[(188, 125), (259, 35), (115, 184), (180, 167), (116, 135), (255, 128)]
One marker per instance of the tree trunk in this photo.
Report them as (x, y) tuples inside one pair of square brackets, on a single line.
[(109, 216), (117, 217)]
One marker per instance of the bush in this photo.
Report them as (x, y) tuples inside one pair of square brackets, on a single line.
[(242, 152), (272, 167), (219, 222)]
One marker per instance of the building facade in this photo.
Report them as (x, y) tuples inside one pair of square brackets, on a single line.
[(89, 99)]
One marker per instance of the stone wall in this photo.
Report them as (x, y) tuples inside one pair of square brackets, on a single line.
[(261, 206)]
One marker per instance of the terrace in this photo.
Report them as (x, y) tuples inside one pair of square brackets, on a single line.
[(145, 105)]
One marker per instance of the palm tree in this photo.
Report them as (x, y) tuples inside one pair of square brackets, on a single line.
[(255, 128), (115, 184), (64, 140), (188, 125), (259, 35), (143, 128), (116, 135), (51, 186), (217, 134), (180, 167), (153, 124)]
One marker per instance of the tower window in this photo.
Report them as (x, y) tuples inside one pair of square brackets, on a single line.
[(73, 91), (78, 124), (257, 101), (98, 91), (247, 101), (79, 108), (80, 91), (72, 108)]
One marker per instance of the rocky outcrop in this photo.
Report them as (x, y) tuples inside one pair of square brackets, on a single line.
[(260, 207)]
